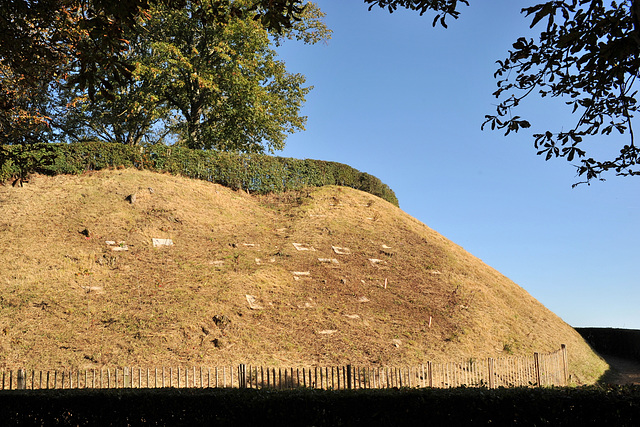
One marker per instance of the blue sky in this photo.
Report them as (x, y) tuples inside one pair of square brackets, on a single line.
[(404, 101)]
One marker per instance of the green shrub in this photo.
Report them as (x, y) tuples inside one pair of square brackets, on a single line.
[(611, 406), (257, 173)]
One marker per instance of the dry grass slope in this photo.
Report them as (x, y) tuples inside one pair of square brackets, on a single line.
[(366, 284)]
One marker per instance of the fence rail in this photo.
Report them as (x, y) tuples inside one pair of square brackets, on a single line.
[(548, 369)]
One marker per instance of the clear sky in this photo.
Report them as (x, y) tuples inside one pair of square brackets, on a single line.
[(404, 101)]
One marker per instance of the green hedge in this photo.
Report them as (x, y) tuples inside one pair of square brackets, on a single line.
[(257, 173), (592, 406)]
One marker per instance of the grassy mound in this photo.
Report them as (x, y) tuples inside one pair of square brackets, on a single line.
[(323, 276)]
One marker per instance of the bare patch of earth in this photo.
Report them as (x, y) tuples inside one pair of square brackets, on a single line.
[(623, 371)]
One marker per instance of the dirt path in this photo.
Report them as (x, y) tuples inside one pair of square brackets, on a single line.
[(623, 371)]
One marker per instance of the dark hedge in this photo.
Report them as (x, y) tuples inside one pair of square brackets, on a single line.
[(612, 341), (257, 173), (588, 406)]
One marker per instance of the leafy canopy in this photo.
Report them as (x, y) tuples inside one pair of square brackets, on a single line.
[(587, 53), (224, 81), (209, 84), (202, 71), (41, 41)]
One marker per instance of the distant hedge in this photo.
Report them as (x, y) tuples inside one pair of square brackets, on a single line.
[(257, 173), (612, 341)]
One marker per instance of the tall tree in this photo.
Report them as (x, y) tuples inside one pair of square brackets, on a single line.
[(214, 85), (225, 80), (41, 39)]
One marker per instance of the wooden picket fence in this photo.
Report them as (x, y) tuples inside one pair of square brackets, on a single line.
[(548, 369)]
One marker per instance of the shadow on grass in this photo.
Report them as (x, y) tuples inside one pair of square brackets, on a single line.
[(620, 348), (621, 371)]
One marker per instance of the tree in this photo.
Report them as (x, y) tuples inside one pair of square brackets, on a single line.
[(132, 114), (224, 80), (213, 85), (590, 57), (41, 40), (588, 53)]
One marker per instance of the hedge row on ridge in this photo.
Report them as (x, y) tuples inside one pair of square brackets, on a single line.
[(257, 173)]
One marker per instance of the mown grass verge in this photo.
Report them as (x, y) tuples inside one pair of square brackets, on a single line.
[(584, 406)]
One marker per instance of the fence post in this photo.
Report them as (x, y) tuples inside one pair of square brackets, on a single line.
[(242, 376), (536, 363), (344, 377), (333, 381), (565, 368), (349, 376), (21, 382), (490, 362)]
